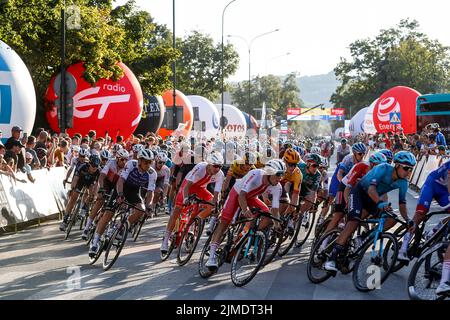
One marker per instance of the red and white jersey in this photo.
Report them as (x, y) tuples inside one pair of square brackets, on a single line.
[(358, 171), (164, 173), (252, 184), (200, 178), (112, 171)]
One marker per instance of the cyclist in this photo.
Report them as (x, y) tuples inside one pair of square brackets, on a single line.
[(291, 181), (437, 187), (237, 170), (195, 183), (105, 155), (163, 176), (107, 182), (136, 148), (86, 176), (310, 181), (244, 194), (136, 175), (367, 194), (76, 162), (342, 150), (322, 192)]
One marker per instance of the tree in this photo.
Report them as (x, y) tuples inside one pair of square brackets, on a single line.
[(277, 94), (105, 36), (397, 56), (199, 67)]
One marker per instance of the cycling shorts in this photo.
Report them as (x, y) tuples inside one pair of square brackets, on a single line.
[(200, 192), (432, 190), (231, 206), (340, 203), (359, 200), (132, 196)]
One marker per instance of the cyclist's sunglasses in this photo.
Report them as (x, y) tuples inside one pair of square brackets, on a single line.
[(291, 165), (217, 166), (406, 168), (360, 153), (314, 165), (161, 162), (279, 174)]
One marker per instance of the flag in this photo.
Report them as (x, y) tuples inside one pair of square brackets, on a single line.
[(263, 115)]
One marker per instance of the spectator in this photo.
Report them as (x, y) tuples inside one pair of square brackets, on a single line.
[(429, 146), (6, 169), (60, 153), (440, 138), (342, 150), (42, 156), (16, 154), (398, 145), (42, 140), (1, 136), (31, 144), (119, 140), (441, 150), (27, 167), (15, 136)]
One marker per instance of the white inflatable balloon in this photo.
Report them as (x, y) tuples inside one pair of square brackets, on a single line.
[(17, 94), (205, 111), (356, 123), (235, 124), (369, 126), (339, 132)]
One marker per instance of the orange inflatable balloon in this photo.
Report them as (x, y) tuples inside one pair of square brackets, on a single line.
[(184, 118)]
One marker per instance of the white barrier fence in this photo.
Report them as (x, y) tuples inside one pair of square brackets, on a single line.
[(423, 168), (24, 202)]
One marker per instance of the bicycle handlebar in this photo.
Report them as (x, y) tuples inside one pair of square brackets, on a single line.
[(264, 214), (197, 199)]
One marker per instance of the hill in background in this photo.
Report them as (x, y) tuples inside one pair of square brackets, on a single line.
[(317, 89)]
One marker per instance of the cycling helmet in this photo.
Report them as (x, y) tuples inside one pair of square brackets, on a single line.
[(117, 147), (324, 163), (275, 167), (84, 152), (249, 158), (388, 154), (145, 154), (75, 148), (94, 160), (161, 156), (359, 147), (105, 154), (406, 158), (315, 150), (137, 147), (291, 156), (122, 154), (215, 158), (343, 140), (378, 158), (312, 157)]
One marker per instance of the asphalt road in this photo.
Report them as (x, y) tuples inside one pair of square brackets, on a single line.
[(38, 263)]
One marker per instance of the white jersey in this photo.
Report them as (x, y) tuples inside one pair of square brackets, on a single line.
[(252, 184), (164, 173), (137, 179), (200, 178), (112, 171)]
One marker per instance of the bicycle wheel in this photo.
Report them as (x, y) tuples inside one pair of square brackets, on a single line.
[(426, 274), (189, 241), (166, 255), (399, 233), (306, 227), (320, 230), (137, 227), (274, 239), (375, 262), (203, 271), (319, 255), (73, 219), (101, 246), (116, 243), (249, 258), (289, 237)]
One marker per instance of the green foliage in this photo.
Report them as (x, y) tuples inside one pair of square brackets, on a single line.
[(199, 67), (397, 56), (278, 94)]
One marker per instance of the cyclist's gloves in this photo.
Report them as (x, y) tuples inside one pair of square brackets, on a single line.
[(382, 204)]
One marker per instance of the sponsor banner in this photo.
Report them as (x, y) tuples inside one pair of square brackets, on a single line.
[(308, 114)]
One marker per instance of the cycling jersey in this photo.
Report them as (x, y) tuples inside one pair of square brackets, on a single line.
[(324, 181), (85, 178), (435, 187), (334, 184), (253, 185), (295, 178), (112, 171), (381, 177), (440, 175), (358, 171), (135, 179), (310, 182), (236, 170), (163, 174), (346, 164)]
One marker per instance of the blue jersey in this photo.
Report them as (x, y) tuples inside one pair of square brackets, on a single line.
[(135, 179), (347, 164), (440, 175), (381, 177)]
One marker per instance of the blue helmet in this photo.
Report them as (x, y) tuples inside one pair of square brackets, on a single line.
[(406, 158), (300, 151), (94, 160), (359, 147), (388, 154), (378, 158)]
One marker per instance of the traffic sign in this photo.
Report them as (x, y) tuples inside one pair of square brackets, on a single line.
[(395, 118)]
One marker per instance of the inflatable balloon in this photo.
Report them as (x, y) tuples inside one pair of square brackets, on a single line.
[(339, 133), (184, 115), (152, 115), (398, 99), (109, 107), (17, 95), (235, 124), (368, 125), (357, 122), (205, 112)]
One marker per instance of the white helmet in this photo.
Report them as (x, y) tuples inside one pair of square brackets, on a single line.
[(275, 167), (105, 154), (145, 154), (137, 147), (84, 152), (215, 158), (315, 150), (75, 148), (161, 156), (122, 154), (117, 147)]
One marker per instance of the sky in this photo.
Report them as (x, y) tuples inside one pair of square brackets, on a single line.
[(316, 34)]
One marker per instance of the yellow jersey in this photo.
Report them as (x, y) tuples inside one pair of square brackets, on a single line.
[(237, 171), (295, 178)]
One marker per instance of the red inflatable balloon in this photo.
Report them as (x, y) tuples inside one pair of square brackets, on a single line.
[(185, 117), (398, 99), (113, 107)]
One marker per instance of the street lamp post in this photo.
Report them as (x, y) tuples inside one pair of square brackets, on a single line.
[(249, 47), (222, 119)]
